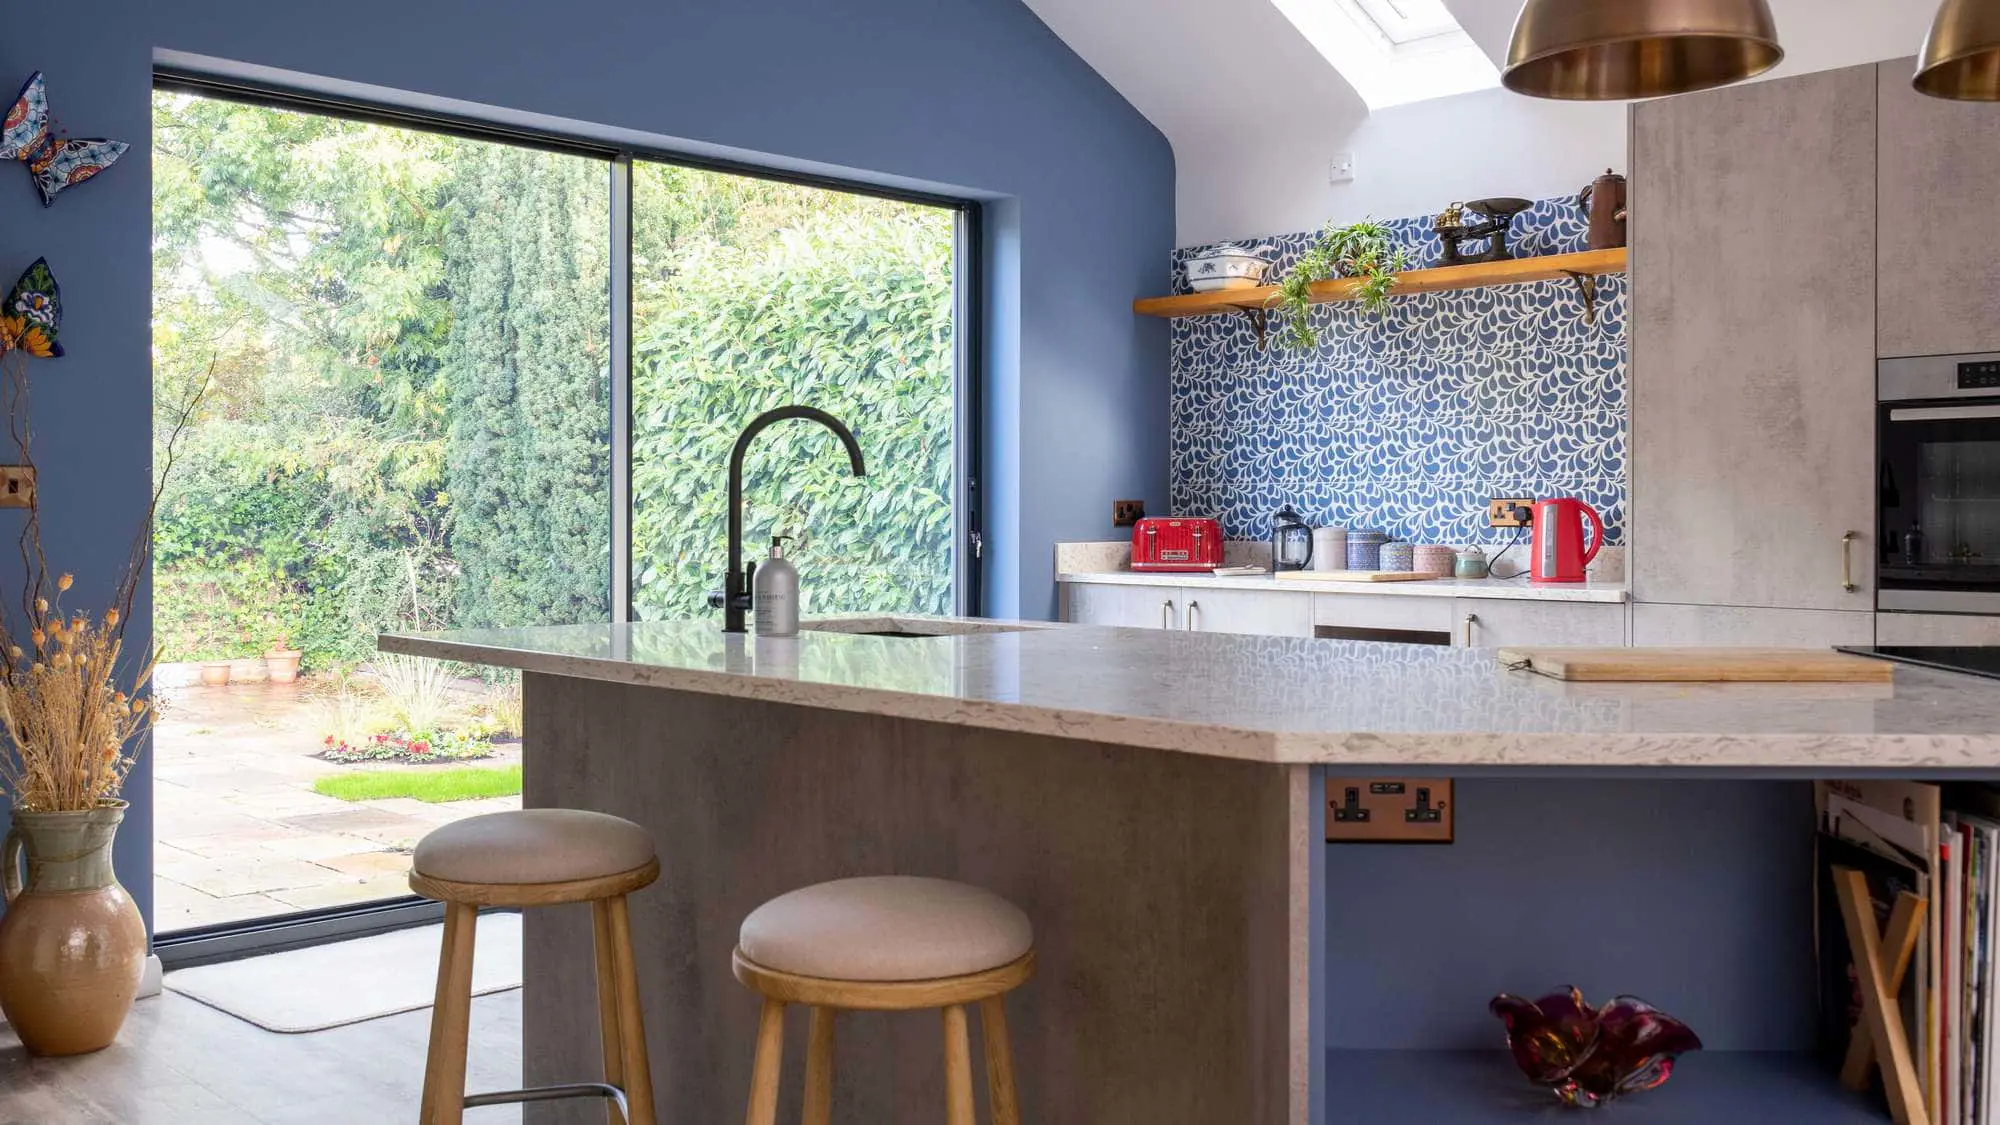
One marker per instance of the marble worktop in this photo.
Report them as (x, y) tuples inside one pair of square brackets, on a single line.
[(1109, 563), (1274, 699), (1517, 589)]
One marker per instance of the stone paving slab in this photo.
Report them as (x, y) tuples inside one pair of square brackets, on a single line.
[(239, 833)]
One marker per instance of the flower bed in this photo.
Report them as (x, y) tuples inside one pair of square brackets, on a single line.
[(407, 747)]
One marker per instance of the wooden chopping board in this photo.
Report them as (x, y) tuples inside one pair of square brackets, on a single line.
[(1699, 665), (1360, 575)]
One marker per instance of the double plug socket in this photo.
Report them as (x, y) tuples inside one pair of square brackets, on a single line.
[(1509, 511), (1388, 810)]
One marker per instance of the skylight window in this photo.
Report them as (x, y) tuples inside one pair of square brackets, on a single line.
[(1394, 52)]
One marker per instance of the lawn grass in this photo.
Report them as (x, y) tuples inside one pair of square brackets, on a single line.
[(430, 784)]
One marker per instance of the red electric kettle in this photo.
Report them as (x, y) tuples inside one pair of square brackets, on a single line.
[(1559, 554)]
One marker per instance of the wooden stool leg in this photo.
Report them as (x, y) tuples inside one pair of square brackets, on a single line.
[(769, 1066), (607, 1005), (957, 1068), (819, 1069), (1001, 1102), (631, 1025), (451, 1020)]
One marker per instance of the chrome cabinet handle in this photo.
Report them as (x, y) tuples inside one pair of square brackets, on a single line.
[(1847, 561), (1167, 614), (1471, 619), (1194, 617)]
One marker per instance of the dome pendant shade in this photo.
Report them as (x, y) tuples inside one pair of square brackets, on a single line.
[(1961, 58), (1594, 50)]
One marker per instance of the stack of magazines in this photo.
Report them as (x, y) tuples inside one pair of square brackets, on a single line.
[(1942, 844)]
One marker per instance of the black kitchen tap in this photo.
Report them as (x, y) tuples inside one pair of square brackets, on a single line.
[(734, 597)]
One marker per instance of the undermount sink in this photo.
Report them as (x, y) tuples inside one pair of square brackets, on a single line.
[(910, 627)]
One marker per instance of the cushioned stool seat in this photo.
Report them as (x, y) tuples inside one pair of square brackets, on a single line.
[(533, 846), (886, 928), (888, 943)]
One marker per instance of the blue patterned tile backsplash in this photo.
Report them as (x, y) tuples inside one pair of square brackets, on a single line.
[(1412, 420)]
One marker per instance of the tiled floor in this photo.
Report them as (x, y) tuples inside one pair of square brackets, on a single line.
[(239, 833), (178, 1062)]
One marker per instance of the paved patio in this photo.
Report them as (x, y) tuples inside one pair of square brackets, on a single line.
[(239, 833)]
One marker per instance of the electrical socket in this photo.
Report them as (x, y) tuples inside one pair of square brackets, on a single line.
[(1341, 169), (17, 486), (1509, 511), (1125, 513), (1389, 810)]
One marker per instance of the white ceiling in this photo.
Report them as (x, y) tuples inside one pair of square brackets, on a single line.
[(1254, 113)]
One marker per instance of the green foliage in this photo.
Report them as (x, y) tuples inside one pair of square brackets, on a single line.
[(407, 338), (1362, 250), (436, 786), (850, 312)]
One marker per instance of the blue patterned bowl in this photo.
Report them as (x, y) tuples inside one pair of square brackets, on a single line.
[(1401, 557), (1363, 554)]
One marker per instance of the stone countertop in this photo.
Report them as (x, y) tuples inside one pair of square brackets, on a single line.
[(1518, 589), (1277, 699)]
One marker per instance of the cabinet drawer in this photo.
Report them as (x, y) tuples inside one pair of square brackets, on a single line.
[(1936, 629), (1279, 613), (1699, 626), (1491, 623), (1130, 607), (1375, 611)]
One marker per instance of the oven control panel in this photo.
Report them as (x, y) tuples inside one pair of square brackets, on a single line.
[(1979, 375)]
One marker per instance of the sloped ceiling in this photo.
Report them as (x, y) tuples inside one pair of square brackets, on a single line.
[(1231, 83)]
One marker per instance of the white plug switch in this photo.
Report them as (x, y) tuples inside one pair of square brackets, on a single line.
[(1342, 169)]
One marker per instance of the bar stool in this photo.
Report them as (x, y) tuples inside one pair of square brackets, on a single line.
[(537, 857), (886, 944)]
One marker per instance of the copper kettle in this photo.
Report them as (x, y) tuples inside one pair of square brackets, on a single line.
[(1603, 200)]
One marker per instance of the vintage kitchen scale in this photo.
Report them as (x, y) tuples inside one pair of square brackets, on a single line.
[(1455, 231)]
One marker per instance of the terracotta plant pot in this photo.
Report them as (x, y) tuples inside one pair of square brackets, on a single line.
[(247, 670), (72, 945), (283, 664), (215, 673)]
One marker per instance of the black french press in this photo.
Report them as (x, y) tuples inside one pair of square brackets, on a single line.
[(1291, 540)]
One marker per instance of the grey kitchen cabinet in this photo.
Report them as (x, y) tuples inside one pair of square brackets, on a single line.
[(1278, 613), (1491, 623), (1752, 341), (1936, 629), (1733, 626), (1131, 607), (1938, 260)]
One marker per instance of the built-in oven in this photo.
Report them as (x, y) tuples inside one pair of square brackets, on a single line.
[(1938, 484)]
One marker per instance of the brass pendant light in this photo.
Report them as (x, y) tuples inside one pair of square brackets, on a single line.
[(1615, 50), (1961, 58)]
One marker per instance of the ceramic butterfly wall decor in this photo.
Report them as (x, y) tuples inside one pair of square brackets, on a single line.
[(32, 316), (54, 161)]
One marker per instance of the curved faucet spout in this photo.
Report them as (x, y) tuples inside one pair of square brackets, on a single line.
[(735, 594)]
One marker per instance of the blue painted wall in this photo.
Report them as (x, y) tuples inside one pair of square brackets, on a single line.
[(1408, 421), (972, 97), (1696, 896)]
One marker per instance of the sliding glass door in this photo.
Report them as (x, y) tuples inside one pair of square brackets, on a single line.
[(453, 380), (405, 340)]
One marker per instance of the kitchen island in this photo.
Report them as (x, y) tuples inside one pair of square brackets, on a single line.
[(1156, 802)]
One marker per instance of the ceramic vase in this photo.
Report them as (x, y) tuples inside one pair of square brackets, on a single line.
[(72, 944)]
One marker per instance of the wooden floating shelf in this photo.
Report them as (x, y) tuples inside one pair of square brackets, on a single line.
[(1549, 267)]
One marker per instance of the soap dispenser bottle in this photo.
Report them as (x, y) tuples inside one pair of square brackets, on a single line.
[(775, 594)]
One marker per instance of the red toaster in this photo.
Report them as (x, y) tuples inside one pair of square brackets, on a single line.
[(1176, 545)]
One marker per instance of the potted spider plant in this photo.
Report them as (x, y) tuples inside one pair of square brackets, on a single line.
[(1365, 251)]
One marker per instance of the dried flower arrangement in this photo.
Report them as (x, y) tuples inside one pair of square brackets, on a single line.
[(72, 706)]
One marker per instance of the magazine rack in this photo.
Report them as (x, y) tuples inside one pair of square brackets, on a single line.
[(1881, 961)]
